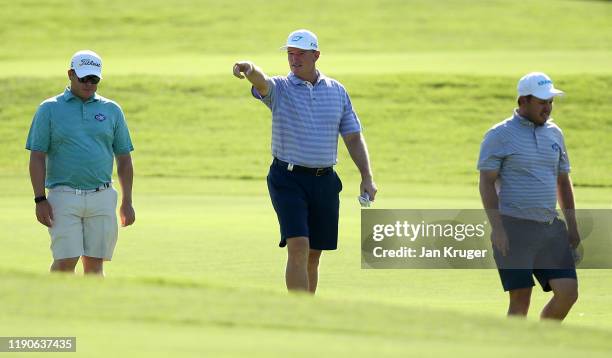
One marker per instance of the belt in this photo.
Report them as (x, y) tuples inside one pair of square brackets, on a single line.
[(300, 169), (67, 189), (548, 222)]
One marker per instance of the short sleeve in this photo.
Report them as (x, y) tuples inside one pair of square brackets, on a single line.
[(268, 99), (564, 163), (349, 122), (122, 143), (39, 136), (492, 152)]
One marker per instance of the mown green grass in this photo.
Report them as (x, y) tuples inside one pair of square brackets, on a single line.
[(156, 317), (419, 128), (482, 62), (53, 28), (200, 273)]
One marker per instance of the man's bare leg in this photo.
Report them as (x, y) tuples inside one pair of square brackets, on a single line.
[(313, 270), (519, 302), (93, 266), (296, 274), (565, 294), (64, 265)]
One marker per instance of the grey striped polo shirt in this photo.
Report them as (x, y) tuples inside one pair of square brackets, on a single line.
[(529, 159), (306, 119)]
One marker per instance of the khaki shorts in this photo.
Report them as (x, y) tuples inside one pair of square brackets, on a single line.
[(84, 224)]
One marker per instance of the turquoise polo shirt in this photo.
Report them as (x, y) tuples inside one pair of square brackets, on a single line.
[(80, 139)]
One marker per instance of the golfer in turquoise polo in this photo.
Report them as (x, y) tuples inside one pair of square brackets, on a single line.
[(73, 140)]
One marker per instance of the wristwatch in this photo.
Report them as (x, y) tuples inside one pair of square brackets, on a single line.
[(38, 199)]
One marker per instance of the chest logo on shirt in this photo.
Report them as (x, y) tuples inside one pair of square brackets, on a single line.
[(100, 117), (556, 147)]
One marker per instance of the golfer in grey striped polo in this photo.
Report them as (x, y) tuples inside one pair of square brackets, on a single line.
[(309, 111), (524, 171)]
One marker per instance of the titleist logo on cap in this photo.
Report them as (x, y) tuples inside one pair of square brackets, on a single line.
[(89, 62)]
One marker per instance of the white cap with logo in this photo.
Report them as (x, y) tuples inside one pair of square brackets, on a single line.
[(86, 63), (539, 85), (303, 39)]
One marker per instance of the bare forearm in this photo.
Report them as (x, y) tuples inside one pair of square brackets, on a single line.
[(357, 148), (38, 173), (565, 195), (125, 172), (490, 202), (254, 74)]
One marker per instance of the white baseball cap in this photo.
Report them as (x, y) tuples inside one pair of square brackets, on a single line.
[(85, 63), (304, 39), (539, 85)]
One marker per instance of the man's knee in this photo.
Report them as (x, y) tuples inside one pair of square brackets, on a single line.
[(569, 297), (520, 300), (93, 265), (565, 290), (64, 265), (298, 249), (313, 258)]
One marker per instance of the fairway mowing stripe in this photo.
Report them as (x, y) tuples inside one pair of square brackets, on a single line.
[(473, 62), (195, 309)]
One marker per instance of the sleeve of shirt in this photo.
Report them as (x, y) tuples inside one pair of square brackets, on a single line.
[(268, 99), (122, 143), (492, 152), (349, 122), (39, 136), (564, 163)]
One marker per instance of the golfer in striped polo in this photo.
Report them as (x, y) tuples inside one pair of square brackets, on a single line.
[(309, 111), (524, 171)]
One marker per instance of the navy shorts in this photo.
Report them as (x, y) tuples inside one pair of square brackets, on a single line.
[(306, 205), (535, 249)]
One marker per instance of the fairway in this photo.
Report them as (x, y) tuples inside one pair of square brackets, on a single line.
[(200, 273)]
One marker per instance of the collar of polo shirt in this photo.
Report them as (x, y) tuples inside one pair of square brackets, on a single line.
[(526, 122), (68, 95), (522, 120), (298, 81)]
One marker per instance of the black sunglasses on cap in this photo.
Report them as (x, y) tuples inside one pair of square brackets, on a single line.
[(94, 80)]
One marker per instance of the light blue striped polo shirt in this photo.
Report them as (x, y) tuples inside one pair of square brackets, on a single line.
[(529, 159), (306, 119), (80, 138)]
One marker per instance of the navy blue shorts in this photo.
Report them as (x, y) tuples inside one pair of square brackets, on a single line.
[(535, 249), (306, 205)]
